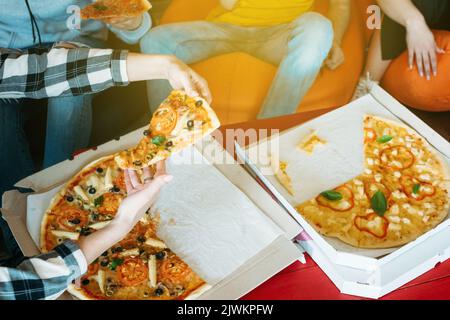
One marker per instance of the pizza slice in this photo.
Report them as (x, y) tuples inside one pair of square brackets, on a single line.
[(179, 122), (103, 9)]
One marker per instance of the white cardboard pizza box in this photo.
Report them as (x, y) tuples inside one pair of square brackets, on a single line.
[(366, 273), (263, 265)]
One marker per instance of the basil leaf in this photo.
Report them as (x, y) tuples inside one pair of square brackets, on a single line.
[(158, 140), (384, 139), (379, 203), (115, 263), (332, 195), (416, 188), (99, 201)]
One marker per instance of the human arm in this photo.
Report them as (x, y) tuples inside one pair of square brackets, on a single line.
[(74, 71), (420, 40), (339, 14), (47, 276)]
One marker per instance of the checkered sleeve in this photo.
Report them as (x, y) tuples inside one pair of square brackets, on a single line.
[(43, 73), (45, 276)]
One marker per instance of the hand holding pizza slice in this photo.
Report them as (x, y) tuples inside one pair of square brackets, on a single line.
[(179, 122)]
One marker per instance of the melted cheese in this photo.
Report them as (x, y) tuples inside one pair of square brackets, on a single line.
[(310, 142)]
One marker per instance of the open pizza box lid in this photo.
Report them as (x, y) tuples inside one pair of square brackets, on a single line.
[(363, 272), (274, 257)]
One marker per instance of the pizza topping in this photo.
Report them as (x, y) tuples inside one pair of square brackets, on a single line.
[(71, 217), (198, 103), (108, 179), (373, 224), (344, 204), (397, 158), (163, 121), (190, 124), (65, 234), (115, 263), (99, 170), (384, 139), (155, 243), (92, 190), (108, 203), (416, 189), (369, 135), (378, 203), (129, 253), (158, 140), (173, 270), (80, 192), (332, 195), (152, 271), (160, 255), (132, 272), (372, 186), (69, 198), (98, 201)]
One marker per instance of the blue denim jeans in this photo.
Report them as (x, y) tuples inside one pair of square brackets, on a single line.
[(298, 48), (69, 121)]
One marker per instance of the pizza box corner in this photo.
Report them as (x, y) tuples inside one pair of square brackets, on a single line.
[(369, 273), (264, 264)]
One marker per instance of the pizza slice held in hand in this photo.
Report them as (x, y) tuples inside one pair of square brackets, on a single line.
[(103, 9), (179, 122)]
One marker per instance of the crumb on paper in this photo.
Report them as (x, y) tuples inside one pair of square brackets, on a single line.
[(172, 222), (282, 176), (309, 143)]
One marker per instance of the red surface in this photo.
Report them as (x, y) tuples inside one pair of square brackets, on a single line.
[(308, 281)]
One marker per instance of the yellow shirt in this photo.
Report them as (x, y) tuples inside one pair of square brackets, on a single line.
[(260, 13)]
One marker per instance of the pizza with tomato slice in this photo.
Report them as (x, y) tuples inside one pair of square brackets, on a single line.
[(104, 9), (138, 267), (179, 122), (402, 193)]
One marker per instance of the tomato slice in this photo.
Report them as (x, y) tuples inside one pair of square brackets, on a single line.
[(110, 204), (92, 269), (371, 187), (132, 272), (369, 135), (423, 189), (398, 157), (72, 217), (163, 121), (173, 270), (119, 182), (346, 203), (373, 224)]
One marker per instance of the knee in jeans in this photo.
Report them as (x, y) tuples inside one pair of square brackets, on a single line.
[(315, 29)]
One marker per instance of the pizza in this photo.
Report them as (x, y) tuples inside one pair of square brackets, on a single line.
[(402, 193), (139, 267), (282, 176), (178, 122), (103, 9)]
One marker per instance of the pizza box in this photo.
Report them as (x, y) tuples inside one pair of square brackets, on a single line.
[(262, 265), (368, 273)]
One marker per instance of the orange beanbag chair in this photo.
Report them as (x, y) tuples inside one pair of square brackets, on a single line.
[(414, 91), (240, 82)]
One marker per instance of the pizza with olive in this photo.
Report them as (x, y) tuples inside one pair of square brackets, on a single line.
[(179, 122), (402, 193), (103, 9), (138, 267)]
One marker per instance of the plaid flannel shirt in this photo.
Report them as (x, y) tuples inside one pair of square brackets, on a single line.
[(45, 276), (60, 71)]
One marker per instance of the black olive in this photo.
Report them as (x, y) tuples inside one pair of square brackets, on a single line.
[(190, 124), (137, 163), (105, 253), (99, 170), (160, 255), (146, 133), (169, 144), (92, 190), (85, 231), (141, 239), (159, 292), (117, 249), (104, 262), (69, 198), (199, 103), (85, 282), (115, 189), (75, 221)]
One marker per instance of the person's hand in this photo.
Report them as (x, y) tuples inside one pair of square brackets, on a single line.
[(335, 58), (181, 76), (422, 47), (127, 23), (141, 194)]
